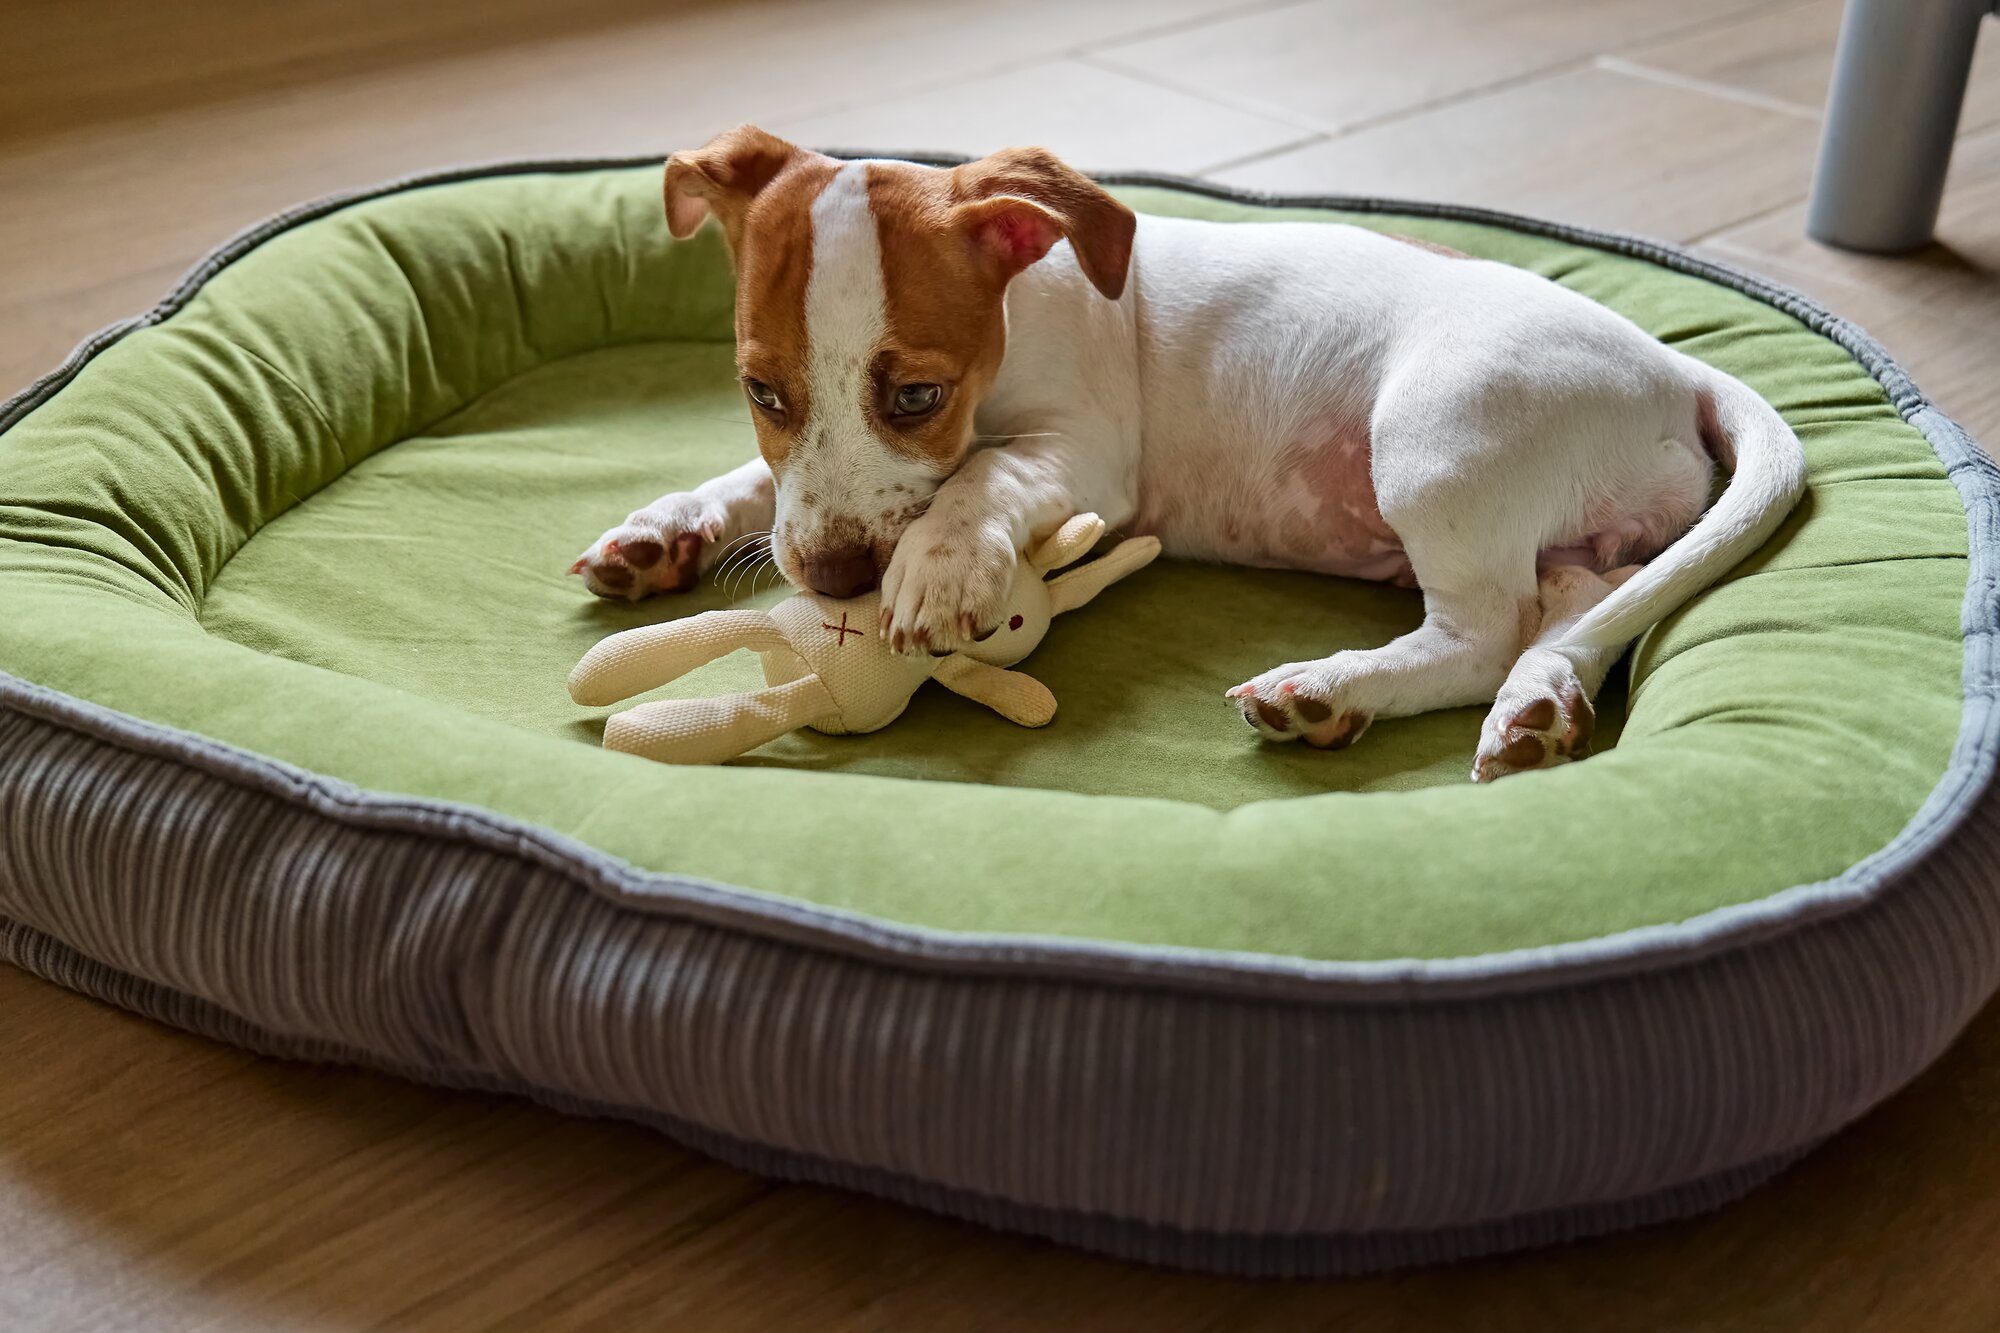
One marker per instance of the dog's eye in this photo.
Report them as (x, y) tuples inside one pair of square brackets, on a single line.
[(763, 395), (913, 400)]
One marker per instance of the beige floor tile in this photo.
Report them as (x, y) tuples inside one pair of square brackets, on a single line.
[(1588, 146), (1787, 53), (1330, 64), (1096, 118)]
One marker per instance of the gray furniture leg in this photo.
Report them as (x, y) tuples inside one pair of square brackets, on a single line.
[(1898, 80)]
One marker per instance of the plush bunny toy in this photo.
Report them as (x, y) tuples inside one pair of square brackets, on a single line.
[(827, 666)]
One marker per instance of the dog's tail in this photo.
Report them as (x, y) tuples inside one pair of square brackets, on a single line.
[(1768, 469)]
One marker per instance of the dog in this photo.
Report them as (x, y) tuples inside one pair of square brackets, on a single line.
[(943, 364)]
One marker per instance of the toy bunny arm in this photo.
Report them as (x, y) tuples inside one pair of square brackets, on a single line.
[(1072, 588), (1014, 695), (637, 660), (708, 731)]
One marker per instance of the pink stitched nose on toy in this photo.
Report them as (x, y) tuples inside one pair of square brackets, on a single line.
[(847, 572)]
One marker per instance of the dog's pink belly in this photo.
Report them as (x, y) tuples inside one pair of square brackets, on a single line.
[(1308, 506)]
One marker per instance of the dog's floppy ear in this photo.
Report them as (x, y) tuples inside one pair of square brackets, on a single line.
[(722, 175), (1020, 201)]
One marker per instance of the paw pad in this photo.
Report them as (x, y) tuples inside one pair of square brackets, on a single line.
[(634, 564), (1334, 733), (643, 553), (1545, 730)]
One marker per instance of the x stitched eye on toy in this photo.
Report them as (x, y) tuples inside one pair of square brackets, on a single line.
[(826, 671)]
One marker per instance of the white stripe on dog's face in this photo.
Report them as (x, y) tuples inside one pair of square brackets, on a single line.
[(845, 299), (841, 488)]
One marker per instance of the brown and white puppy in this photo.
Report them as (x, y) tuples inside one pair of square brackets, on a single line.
[(944, 363)]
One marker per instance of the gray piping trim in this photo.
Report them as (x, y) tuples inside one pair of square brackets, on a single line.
[(1968, 775)]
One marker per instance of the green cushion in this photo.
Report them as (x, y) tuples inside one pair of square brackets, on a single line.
[(323, 512)]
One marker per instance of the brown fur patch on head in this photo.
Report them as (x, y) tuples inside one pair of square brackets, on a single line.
[(951, 242), (773, 265), (1098, 227), (761, 190), (722, 177), (944, 318)]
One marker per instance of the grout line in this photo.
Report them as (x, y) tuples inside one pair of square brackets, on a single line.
[(1245, 106), (1713, 233), (1230, 163), (1687, 82), (1328, 130), (901, 93), (1716, 235), (1465, 95), (1193, 24)]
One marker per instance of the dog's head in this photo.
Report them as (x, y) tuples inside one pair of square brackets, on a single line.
[(870, 319)]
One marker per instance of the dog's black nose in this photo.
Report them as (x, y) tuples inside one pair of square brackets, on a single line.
[(847, 572)]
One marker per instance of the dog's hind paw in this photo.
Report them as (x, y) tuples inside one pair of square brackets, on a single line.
[(1542, 716)]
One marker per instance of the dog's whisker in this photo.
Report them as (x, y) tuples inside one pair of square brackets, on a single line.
[(749, 555), (749, 541), (745, 553), (745, 578)]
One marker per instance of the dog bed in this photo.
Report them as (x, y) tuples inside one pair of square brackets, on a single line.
[(285, 757)]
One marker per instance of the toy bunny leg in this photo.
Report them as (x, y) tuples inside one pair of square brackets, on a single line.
[(1014, 695), (637, 660), (708, 731)]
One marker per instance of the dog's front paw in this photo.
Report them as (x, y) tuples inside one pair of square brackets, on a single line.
[(946, 585), (1314, 702), (662, 548)]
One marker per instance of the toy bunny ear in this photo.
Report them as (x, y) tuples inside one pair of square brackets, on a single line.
[(1073, 588), (1071, 542)]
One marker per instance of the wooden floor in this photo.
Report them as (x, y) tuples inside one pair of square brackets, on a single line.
[(150, 1181)]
